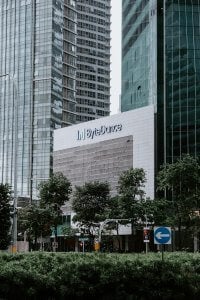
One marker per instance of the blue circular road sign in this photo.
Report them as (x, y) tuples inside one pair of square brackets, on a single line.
[(162, 235)]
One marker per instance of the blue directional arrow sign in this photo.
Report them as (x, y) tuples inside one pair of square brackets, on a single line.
[(162, 235)]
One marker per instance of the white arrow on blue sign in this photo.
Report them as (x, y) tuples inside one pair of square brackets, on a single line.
[(162, 235)]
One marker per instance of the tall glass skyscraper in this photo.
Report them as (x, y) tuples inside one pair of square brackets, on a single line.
[(93, 59), (38, 74), (161, 65), (34, 40), (69, 62)]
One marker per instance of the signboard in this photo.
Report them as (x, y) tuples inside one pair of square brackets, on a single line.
[(94, 132), (146, 235), (162, 235), (83, 239)]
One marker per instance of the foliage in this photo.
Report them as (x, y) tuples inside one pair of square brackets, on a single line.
[(55, 191), (90, 203), (53, 194), (35, 221), (131, 183), (5, 209), (114, 210), (181, 182), (132, 206), (99, 276), (131, 193), (69, 232), (155, 211)]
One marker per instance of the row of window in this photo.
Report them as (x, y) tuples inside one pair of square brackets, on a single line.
[(103, 5), (91, 94), (70, 13), (90, 102), (93, 36), (70, 25), (68, 70), (92, 27), (93, 61), (92, 10), (92, 86), (84, 118), (69, 36), (92, 52), (85, 110), (69, 94), (91, 111), (72, 3), (93, 19), (92, 77), (92, 69)]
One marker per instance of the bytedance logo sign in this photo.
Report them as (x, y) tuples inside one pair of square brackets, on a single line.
[(91, 133)]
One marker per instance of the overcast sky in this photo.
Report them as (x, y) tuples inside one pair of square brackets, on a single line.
[(115, 55)]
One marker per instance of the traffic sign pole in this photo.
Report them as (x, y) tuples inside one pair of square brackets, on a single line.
[(146, 237), (162, 236), (83, 245), (83, 240), (162, 252)]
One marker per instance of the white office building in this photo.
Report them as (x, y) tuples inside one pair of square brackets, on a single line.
[(100, 150)]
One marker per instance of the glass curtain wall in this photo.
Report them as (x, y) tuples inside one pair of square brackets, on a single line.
[(31, 43), (47, 82), (69, 62), (93, 59), (138, 53), (182, 52), (16, 69)]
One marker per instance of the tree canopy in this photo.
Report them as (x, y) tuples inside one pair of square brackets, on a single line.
[(55, 191), (181, 183), (90, 203), (131, 192), (182, 180), (5, 221), (36, 221), (131, 183), (53, 194)]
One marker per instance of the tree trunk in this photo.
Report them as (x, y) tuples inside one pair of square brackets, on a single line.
[(55, 238), (35, 242), (179, 235), (196, 240)]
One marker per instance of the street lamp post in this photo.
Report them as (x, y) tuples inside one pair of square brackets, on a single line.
[(14, 229)]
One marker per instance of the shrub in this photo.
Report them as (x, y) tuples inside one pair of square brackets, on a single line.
[(99, 276)]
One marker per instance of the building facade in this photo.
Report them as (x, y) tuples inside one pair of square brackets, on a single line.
[(102, 149), (38, 71), (36, 57), (69, 62), (93, 59), (138, 54), (160, 66)]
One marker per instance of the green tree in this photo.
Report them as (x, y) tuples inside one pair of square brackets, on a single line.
[(131, 193), (90, 203), (68, 231), (181, 183), (35, 221), (131, 205), (53, 194), (114, 209), (5, 221), (155, 211)]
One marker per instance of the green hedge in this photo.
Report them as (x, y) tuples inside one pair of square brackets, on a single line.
[(99, 276)]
